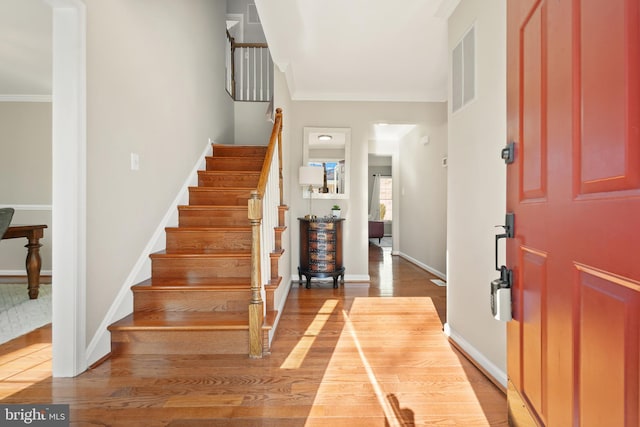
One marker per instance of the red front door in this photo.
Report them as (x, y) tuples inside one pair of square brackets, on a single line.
[(574, 113)]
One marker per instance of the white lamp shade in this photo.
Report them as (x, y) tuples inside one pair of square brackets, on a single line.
[(311, 175)]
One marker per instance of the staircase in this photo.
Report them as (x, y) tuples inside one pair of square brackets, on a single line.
[(197, 299)]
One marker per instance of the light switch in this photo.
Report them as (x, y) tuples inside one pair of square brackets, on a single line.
[(135, 162)]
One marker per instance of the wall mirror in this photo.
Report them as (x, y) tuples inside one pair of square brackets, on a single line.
[(328, 148)]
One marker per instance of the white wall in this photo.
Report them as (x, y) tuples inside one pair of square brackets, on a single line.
[(155, 86), (423, 196), (25, 178), (477, 188), (360, 117), (251, 124)]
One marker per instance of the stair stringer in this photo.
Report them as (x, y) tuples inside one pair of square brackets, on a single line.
[(282, 291), (100, 344)]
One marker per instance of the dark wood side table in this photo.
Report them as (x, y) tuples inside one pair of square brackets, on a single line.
[(33, 233), (321, 249)]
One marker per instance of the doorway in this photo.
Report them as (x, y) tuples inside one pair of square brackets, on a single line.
[(380, 201)]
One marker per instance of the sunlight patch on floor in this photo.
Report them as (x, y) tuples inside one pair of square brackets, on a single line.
[(385, 274), (23, 368), (392, 420), (398, 368), (299, 352)]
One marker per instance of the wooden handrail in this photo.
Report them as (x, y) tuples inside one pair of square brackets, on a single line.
[(256, 304), (276, 137), (255, 45), (240, 44), (280, 179)]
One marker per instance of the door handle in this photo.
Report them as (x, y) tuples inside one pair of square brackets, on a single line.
[(501, 288), (509, 222)]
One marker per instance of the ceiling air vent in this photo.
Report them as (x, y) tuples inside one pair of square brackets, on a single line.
[(463, 71)]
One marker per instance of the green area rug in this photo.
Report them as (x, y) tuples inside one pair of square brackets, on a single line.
[(19, 314)]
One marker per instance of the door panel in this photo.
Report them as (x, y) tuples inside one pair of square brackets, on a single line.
[(609, 114), (533, 279), (534, 159), (607, 307), (573, 109)]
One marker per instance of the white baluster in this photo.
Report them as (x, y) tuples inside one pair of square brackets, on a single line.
[(241, 92)]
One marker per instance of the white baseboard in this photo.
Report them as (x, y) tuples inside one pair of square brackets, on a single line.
[(122, 306), (347, 277), (423, 266), (498, 374), (357, 278)]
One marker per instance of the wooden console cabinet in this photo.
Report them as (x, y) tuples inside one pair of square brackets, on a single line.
[(321, 249)]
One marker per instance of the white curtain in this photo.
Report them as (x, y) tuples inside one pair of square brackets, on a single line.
[(374, 210)]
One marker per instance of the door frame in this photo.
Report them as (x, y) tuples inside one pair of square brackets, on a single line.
[(68, 188)]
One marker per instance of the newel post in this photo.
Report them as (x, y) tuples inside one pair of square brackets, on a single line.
[(256, 310)]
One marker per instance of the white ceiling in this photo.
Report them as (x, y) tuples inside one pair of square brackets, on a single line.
[(389, 132), (25, 47), (364, 50)]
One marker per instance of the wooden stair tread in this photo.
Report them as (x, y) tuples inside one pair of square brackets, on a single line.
[(245, 146), (193, 253), (194, 284), (232, 172), (212, 255), (225, 228), (248, 178), (246, 157), (218, 144), (212, 207), (248, 150), (219, 189), (188, 320), (183, 320)]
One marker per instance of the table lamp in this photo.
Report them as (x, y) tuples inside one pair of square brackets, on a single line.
[(308, 177)]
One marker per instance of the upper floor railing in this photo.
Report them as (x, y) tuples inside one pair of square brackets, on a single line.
[(249, 75)]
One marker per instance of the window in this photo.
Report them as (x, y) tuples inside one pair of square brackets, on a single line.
[(334, 175), (386, 198)]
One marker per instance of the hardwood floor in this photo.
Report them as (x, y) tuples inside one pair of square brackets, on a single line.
[(342, 357)]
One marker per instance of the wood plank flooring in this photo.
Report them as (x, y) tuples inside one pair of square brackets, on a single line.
[(361, 355)]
